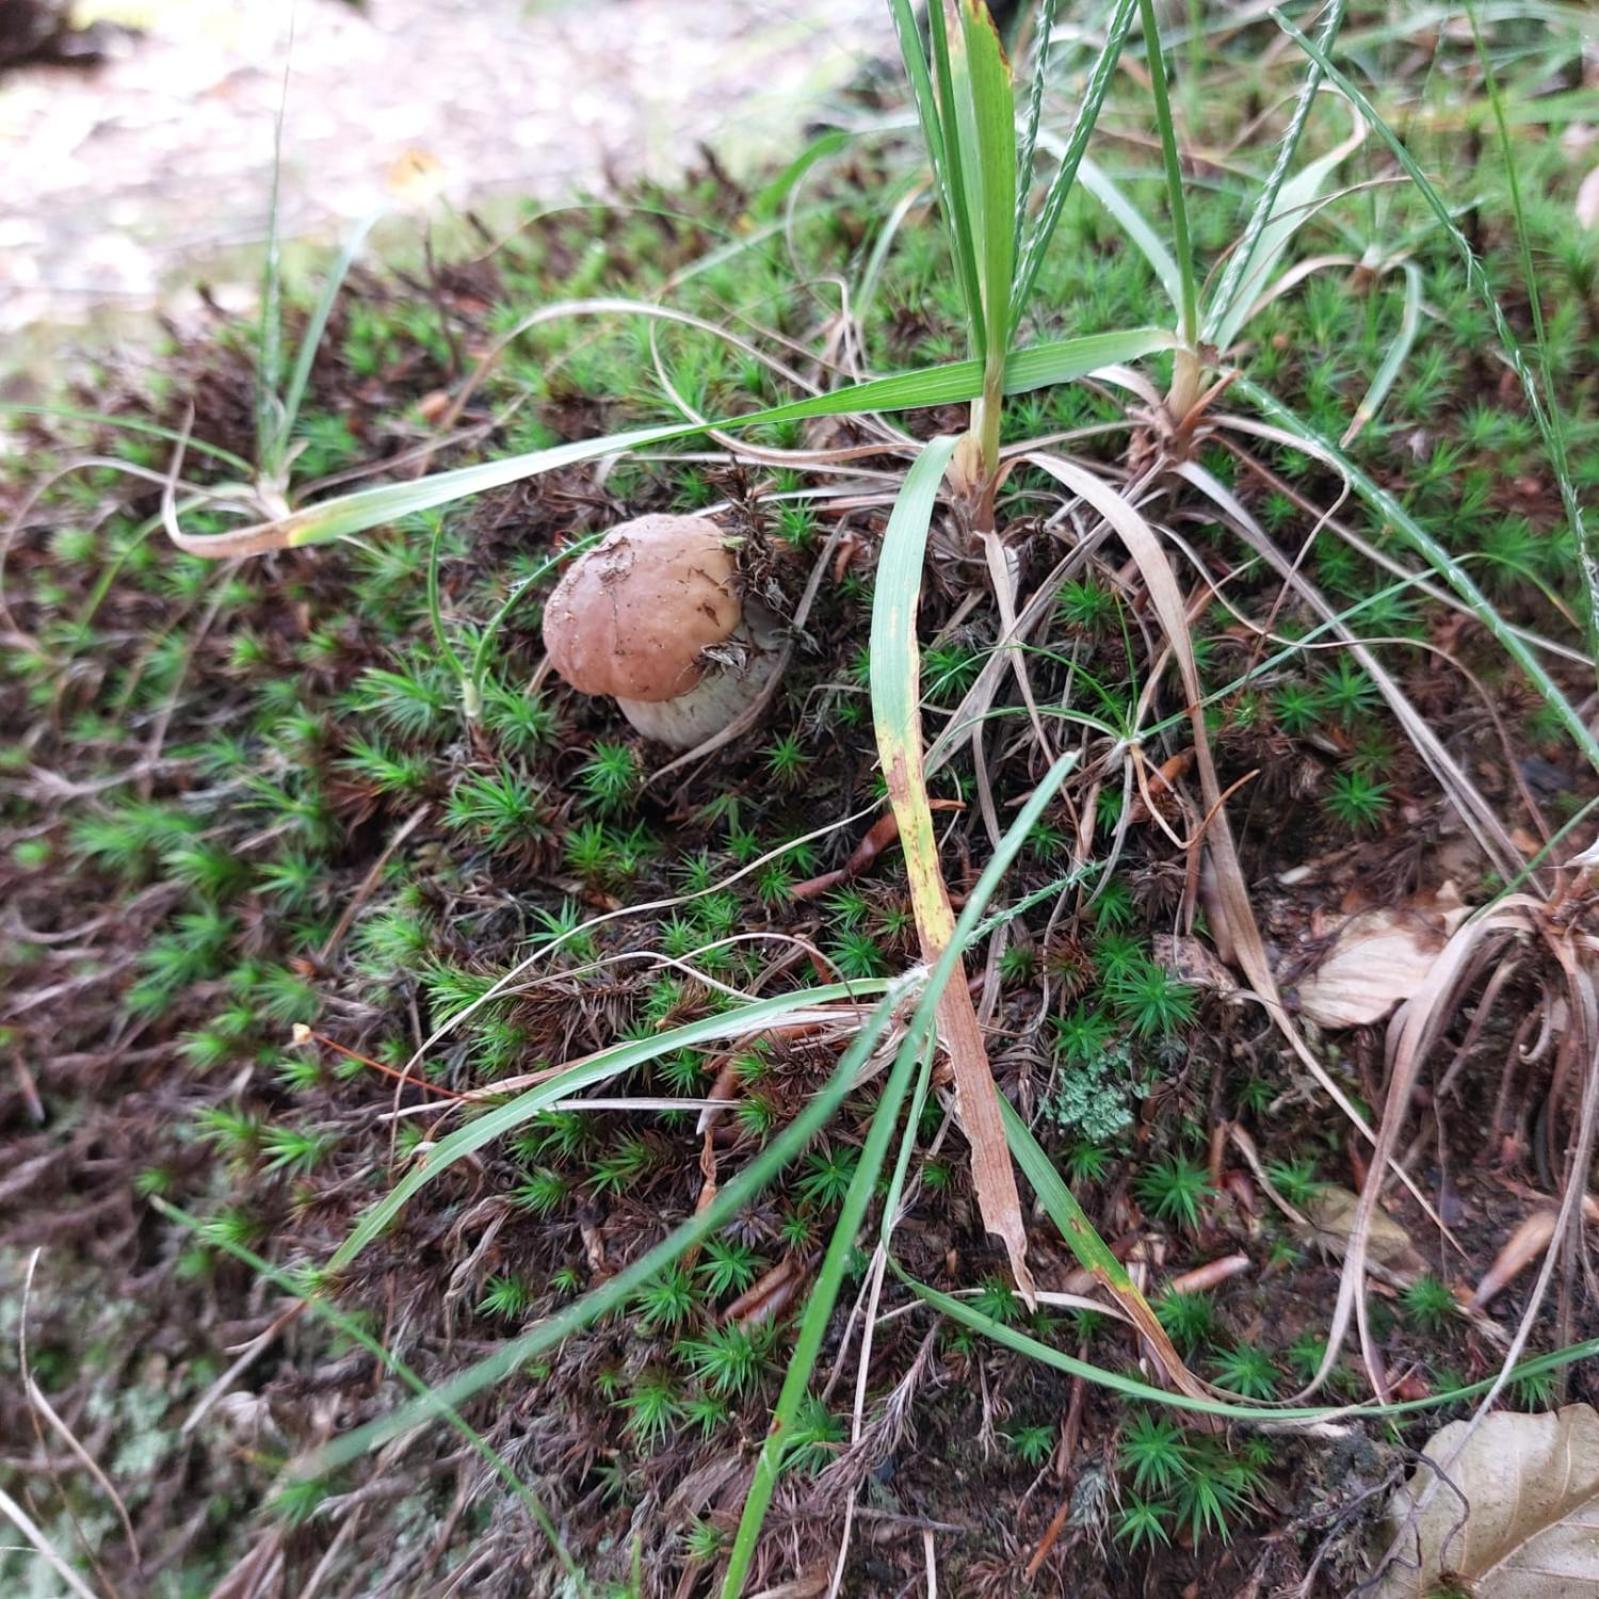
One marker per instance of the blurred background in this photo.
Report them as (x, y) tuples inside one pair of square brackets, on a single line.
[(137, 137)]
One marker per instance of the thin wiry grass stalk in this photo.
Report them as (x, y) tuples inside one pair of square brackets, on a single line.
[(1301, 436), (1541, 403), (427, 1397), (1071, 156), (1239, 263)]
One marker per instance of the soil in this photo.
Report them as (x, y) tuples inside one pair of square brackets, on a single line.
[(156, 979)]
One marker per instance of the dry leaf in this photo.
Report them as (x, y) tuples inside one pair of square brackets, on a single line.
[(1379, 958), (1588, 200), (1191, 962), (1529, 1526), (1331, 1214), (1522, 1247)]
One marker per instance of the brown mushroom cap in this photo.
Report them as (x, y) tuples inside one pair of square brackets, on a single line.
[(633, 615)]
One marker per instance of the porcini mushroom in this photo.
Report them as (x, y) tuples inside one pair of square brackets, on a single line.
[(653, 616)]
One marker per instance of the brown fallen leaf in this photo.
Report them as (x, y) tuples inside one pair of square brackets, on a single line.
[(1191, 962), (767, 1297), (1515, 1515), (1525, 1245), (1211, 1275), (1520, 1249), (1330, 1211), (1379, 958)]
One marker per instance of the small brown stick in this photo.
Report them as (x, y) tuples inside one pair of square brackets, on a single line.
[(303, 1035), (883, 832), (1070, 1433)]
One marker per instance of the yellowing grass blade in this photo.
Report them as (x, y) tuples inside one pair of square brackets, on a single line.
[(896, 712), (1091, 1250)]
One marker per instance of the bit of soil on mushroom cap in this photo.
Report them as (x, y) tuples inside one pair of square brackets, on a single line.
[(634, 615)]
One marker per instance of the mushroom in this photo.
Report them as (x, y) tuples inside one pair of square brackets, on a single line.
[(652, 615)]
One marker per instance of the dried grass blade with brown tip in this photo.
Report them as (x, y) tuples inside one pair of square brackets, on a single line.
[(896, 714), (1474, 810), (1141, 543)]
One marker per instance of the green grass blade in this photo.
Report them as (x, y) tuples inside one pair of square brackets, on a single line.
[(1529, 272), (130, 424), (1393, 362), (1040, 365), (1134, 224), (985, 108), (1071, 157), (1436, 556), (611, 1295), (1084, 1241), (353, 1330), (269, 329), (768, 203), (1133, 1388), (819, 1306), (1044, 29), (897, 720), (1176, 197), (1228, 289), (1552, 436), (819, 1303), (310, 342), (1294, 205), (922, 93), (598, 1068), (960, 221)]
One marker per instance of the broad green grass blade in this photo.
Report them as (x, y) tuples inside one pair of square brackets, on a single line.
[(1393, 362), (356, 1333), (1090, 1249), (819, 1307), (1436, 556), (1071, 156), (985, 106), (923, 94), (599, 1068), (1537, 402), (1241, 260), (1137, 228), (1039, 366), (961, 221)]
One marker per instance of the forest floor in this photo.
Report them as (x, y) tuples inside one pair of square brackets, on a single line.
[(255, 858)]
